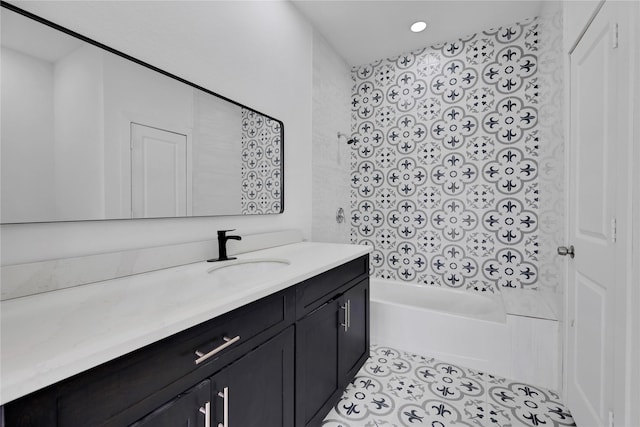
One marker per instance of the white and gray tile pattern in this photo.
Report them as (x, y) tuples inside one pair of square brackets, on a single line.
[(446, 157), (399, 389), (261, 173)]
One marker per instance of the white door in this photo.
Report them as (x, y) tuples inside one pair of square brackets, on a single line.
[(158, 172), (592, 201)]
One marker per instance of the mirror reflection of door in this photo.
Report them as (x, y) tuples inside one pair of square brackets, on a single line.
[(158, 172)]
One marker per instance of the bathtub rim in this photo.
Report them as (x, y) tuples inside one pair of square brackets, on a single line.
[(500, 318)]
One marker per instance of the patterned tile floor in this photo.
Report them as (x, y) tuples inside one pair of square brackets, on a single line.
[(395, 389)]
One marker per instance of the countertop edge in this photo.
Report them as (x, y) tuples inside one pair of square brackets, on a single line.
[(25, 380)]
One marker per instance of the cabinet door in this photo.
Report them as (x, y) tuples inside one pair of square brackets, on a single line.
[(353, 340), (189, 409), (257, 390), (316, 364)]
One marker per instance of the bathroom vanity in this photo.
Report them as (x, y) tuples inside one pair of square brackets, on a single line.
[(270, 339), (182, 345)]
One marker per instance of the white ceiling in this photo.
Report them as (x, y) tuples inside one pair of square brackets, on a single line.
[(363, 31), (25, 35)]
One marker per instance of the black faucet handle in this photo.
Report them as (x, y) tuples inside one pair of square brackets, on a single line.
[(222, 233)]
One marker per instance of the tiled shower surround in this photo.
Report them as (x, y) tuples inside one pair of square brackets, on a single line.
[(445, 169)]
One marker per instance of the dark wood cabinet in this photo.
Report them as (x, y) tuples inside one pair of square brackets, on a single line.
[(117, 392), (353, 341), (258, 388), (254, 391), (316, 363), (283, 361), (188, 409), (332, 344)]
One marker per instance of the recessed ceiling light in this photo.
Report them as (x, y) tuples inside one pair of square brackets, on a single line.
[(416, 27)]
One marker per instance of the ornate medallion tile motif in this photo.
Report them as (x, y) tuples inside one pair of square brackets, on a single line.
[(445, 168), (261, 179), (399, 389)]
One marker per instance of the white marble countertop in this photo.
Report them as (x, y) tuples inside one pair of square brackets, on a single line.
[(48, 337)]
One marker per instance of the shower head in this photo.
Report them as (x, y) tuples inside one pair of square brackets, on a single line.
[(349, 140)]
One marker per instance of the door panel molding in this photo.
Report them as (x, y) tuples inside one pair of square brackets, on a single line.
[(601, 373), (159, 170)]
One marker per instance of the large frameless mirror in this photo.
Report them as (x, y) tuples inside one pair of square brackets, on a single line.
[(89, 133)]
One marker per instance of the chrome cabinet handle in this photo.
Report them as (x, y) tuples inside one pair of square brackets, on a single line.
[(224, 394), (206, 410), (345, 307), (347, 315), (202, 356)]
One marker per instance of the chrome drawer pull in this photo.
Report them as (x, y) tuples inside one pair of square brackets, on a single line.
[(347, 315), (345, 307), (206, 410), (224, 394), (202, 356)]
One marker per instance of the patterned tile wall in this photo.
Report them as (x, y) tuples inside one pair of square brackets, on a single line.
[(261, 175), (445, 172)]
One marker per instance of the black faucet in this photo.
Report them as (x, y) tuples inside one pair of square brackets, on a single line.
[(222, 246)]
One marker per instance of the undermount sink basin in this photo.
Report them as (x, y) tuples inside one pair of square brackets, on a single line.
[(239, 270)]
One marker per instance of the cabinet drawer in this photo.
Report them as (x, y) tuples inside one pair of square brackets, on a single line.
[(105, 391), (185, 409), (312, 293)]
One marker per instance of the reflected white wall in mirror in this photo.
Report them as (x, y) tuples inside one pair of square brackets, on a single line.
[(88, 134)]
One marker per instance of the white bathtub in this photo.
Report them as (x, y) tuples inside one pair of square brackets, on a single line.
[(466, 328), (451, 301)]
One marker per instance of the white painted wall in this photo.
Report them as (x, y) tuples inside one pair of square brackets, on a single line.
[(331, 157), (79, 139), (630, 378), (217, 155), (552, 213), (257, 53), (31, 96), (633, 301), (133, 94)]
